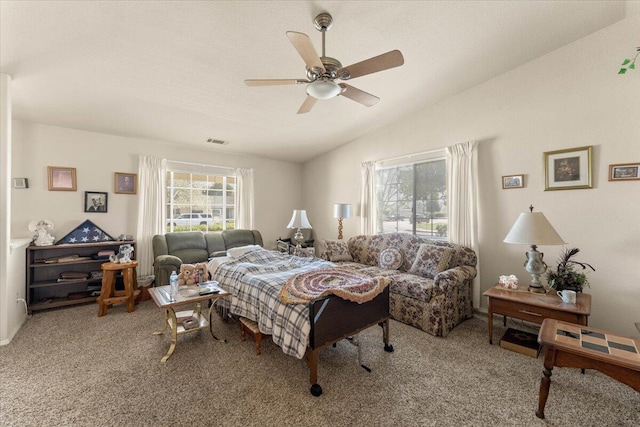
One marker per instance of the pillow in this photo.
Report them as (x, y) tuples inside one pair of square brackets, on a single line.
[(431, 260), (242, 250), (336, 250), (390, 259)]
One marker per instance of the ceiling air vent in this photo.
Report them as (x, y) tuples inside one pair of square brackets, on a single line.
[(217, 141)]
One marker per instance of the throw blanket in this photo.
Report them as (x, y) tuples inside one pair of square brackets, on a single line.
[(348, 285)]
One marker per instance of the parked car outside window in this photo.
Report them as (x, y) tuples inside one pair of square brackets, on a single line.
[(191, 219)]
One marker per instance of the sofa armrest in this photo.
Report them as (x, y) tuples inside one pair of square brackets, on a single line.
[(163, 266), (163, 260), (454, 276)]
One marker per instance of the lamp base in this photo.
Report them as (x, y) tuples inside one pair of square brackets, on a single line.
[(537, 289)]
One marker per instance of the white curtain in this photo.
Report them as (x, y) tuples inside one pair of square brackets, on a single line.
[(151, 210), (368, 199), (244, 198), (462, 184)]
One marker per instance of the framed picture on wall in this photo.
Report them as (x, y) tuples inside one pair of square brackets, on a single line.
[(126, 183), (95, 201), (512, 181), (568, 169), (61, 179), (624, 172)]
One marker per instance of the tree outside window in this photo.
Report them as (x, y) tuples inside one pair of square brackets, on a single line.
[(413, 198), (197, 201)]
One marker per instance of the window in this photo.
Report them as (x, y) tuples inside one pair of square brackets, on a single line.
[(412, 198), (200, 201)]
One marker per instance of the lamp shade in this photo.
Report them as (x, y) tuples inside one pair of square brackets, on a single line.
[(299, 220), (323, 89), (342, 210), (532, 228)]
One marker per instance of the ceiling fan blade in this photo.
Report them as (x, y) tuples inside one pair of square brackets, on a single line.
[(382, 62), (302, 43), (358, 95), (307, 105), (272, 82)]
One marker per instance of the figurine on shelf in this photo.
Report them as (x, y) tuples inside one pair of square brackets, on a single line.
[(123, 256), (42, 236)]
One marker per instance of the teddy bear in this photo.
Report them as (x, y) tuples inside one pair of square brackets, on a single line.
[(187, 271), (190, 273), (201, 268)]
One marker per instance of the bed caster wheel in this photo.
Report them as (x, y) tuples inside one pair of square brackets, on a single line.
[(316, 390), (388, 348)]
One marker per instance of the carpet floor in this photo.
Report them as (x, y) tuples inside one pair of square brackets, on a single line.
[(69, 367)]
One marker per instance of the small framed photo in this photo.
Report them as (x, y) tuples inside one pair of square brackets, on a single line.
[(512, 181), (568, 169), (624, 172), (20, 183), (126, 183), (61, 179), (95, 201)]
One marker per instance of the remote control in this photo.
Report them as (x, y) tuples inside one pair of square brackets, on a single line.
[(209, 291)]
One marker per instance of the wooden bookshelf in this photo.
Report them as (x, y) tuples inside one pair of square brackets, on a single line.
[(45, 291)]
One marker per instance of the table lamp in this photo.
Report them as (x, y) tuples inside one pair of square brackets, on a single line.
[(299, 220), (341, 211), (532, 228)]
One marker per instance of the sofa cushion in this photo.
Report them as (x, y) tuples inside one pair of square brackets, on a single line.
[(336, 250), (391, 259), (190, 246), (431, 260)]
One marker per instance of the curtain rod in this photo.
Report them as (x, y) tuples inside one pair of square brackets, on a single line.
[(408, 156), (200, 164)]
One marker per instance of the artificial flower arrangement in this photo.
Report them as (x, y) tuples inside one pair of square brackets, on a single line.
[(566, 275)]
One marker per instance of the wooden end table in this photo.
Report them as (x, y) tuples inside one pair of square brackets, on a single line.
[(163, 300), (532, 307), (575, 346)]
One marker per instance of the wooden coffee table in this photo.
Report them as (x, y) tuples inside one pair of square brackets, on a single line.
[(532, 307), (574, 346), (187, 295)]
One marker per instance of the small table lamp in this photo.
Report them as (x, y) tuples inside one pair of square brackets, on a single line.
[(341, 211), (532, 228), (299, 220)]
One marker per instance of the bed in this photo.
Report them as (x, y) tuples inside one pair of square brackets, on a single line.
[(255, 277)]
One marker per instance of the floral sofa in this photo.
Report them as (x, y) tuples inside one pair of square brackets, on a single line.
[(431, 280)]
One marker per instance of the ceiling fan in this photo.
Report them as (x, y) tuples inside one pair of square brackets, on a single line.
[(323, 71)]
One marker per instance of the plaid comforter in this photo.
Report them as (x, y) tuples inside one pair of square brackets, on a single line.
[(254, 281)]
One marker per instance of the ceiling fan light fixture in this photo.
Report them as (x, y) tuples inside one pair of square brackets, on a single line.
[(323, 89)]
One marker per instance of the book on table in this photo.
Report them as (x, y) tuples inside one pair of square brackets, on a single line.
[(521, 342)]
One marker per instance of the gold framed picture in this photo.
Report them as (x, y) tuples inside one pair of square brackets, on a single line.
[(61, 178), (624, 172), (126, 183), (568, 169), (512, 181)]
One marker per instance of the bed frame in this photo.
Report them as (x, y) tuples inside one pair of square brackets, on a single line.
[(334, 319)]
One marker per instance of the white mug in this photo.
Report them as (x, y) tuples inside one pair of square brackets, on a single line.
[(568, 297)]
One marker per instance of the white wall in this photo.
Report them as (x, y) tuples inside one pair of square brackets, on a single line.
[(569, 98), (97, 156)]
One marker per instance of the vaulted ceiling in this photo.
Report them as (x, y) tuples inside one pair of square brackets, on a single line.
[(174, 71)]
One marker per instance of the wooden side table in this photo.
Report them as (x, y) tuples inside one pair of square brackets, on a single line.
[(574, 346), (524, 305)]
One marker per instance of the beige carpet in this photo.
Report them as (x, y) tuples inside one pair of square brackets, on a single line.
[(69, 367)]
